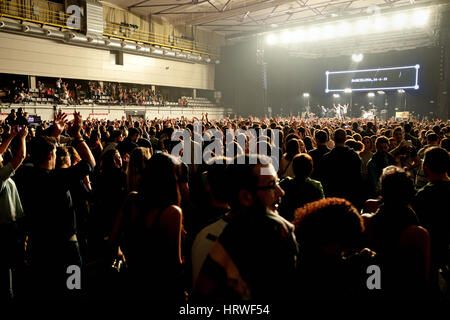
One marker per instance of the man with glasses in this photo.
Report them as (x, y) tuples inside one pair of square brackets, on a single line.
[(255, 256)]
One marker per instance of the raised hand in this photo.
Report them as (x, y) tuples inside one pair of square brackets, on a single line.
[(75, 125), (24, 132), (59, 122), (15, 130)]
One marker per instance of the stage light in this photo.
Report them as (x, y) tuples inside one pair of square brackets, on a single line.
[(313, 34), (357, 57), (327, 32), (336, 95), (420, 17), (380, 24), (399, 21), (381, 92), (286, 37), (298, 36), (271, 39), (401, 91), (344, 29), (306, 95), (362, 26), (371, 94), (348, 90)]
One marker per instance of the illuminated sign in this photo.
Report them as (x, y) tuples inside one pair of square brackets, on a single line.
[(373, 79)]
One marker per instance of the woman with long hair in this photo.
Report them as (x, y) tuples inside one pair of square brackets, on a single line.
[(110, 191), (292, 148), (149, 231), (136, 165)]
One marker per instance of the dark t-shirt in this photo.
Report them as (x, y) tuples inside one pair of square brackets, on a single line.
[(317, 155), (48, 207), (126, 146), (297, 194), (341, 174), (431, 205), (264, 249)]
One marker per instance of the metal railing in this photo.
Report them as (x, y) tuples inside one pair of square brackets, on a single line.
[(34, 13), (128, 33), (40, 15)]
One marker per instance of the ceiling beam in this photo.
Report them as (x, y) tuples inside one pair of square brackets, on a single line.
[(137, 4), (181, 5), (255, 6), (303, 21), (214, 6), (225, 5)]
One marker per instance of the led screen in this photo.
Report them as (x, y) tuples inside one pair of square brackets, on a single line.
[(373, 79)]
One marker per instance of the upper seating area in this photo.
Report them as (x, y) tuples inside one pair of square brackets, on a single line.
[(87, 92), (199, 102)]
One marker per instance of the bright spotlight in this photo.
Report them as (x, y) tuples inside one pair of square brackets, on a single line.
[(327, 32), (401, 91), (399, 21), (313, 34), (381, 92), (420, 17), (344, 29), (357, 57), (371, 94), (306, 95), (271, 39), (380, 24), (336, 95), (298, 36), (348, 90), (362, 26), (286, 37)]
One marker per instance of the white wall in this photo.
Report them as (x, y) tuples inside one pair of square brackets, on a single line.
[(41, 57)]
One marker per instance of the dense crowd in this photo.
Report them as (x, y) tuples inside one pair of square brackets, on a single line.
[(76, 92), (329, 200)]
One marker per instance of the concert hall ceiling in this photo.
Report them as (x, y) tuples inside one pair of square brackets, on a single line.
[(243, 18)]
